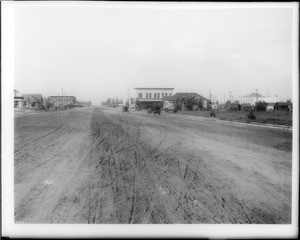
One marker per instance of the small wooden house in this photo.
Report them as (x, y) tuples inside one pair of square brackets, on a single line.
[(282, 106), (34, 101), (185, 100)]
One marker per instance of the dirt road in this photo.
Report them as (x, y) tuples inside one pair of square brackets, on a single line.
[(103, 166)]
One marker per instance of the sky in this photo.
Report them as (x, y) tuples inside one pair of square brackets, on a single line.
[(98, 52)]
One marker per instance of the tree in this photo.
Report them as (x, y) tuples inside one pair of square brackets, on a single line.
[(227, 104), (200, 104), (261, 106), (189, 104), (251, 115), (177, 105), (108, 101)]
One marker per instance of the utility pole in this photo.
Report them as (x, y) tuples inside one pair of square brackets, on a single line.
[(255, 95), (128, 96), (230, 97)]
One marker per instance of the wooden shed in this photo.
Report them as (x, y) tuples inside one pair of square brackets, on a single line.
[(282, 106)]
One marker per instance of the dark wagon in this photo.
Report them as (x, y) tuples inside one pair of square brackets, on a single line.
[(155, 110)]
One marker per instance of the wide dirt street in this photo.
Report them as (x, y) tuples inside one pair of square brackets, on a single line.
[(97, 165)]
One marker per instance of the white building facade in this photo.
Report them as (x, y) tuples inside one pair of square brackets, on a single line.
[(58, 101), (149, 96), (145, 94), (253, 98)]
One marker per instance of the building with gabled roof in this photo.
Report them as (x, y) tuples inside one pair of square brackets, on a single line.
[(182, 99), (33, 100)]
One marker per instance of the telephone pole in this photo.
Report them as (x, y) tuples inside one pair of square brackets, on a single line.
[(255, 95), (128, 95)]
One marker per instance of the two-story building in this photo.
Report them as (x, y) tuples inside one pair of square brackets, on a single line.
[(60, 101), (146, 97)]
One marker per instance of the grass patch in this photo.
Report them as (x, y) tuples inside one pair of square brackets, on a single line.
[(279, 118)]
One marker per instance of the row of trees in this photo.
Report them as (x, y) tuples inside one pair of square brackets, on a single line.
[(111, 102), (260, 106)]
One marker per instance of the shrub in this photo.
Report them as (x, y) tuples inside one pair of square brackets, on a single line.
[(189, 104), (125, 108), (251, 115), (261, 106), (177, 107), (200, 105)]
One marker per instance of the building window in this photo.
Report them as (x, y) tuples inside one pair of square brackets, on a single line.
[(158, 95), (149, 95), (146, 95), (170, 94), (140, 95), (162, 94), (154, 95)]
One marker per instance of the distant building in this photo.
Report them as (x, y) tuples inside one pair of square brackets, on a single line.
[(150, 96), (270, 106), (182, 99), (34, 101), (282, 106), (61, 101), (16, 92), (19, 102), (252, 98)]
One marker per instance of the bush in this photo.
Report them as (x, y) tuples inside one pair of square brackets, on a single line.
[(177, 107), (189, 104), (261, 106), (125, 109), (251, 115)]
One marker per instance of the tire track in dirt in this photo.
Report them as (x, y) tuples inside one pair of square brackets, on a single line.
[(36, 201), (217, 200), (122, 171), (141, 170)]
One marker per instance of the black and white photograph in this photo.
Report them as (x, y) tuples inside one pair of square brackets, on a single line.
[(150, 119)]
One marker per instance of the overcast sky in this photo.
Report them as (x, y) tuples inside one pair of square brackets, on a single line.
[(94, 53)]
